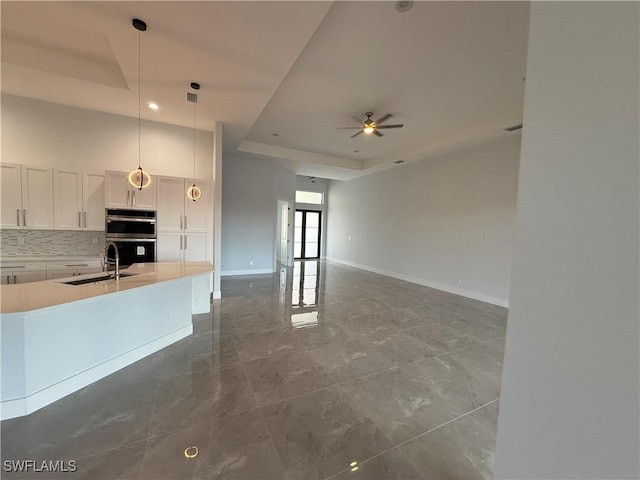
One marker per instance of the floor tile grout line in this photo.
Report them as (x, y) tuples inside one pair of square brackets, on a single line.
[(146, 444), (416, 437)]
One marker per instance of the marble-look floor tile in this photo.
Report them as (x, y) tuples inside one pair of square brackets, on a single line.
[(401, 402), (123, 463), (348, 360), (488, 416), (236, 447), (321, 334), (200, 396), (462, 449), (400, 347), (283, 376), (110, 413), (319, 434), (439, 338), (252, 346), (261, 322)]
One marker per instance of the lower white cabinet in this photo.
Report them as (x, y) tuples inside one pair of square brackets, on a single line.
[(22, 272), (71, 268), (181, 247)]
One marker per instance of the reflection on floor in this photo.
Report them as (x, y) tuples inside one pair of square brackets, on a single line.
[(315, 372)]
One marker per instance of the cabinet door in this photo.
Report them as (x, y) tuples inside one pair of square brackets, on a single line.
[(60, 273), (145, 198), (37, 197), (169, 247), (197, 213), (170, 204), (67, 198), (28, 277), (10, 196), (195, 247), (6, 277), (93, 201), (116, 189)]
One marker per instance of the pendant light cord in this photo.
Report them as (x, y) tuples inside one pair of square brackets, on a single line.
[(194, 140), (139, 99)]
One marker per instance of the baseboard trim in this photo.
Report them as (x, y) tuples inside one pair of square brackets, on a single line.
[(257, 271), (18, 407), (426, 283)]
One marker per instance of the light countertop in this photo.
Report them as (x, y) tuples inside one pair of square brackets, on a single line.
[(26, 297)]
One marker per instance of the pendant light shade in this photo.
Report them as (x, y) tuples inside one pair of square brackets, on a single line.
[(194, 192), (138, 178)]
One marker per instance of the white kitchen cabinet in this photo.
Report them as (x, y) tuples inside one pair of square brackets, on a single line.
[(169, 247), (119, 193), (182, 223), (79, 200), (71, 268), (10, 196), (27, 197), (37, 197), (195, 247), (22, 272)]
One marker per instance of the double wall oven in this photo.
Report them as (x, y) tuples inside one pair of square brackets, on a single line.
[(133, 232)]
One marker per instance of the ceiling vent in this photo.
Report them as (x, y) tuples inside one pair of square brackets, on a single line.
[(513, 128)]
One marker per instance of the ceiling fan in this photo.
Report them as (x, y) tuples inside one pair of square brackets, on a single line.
[(369, 126)]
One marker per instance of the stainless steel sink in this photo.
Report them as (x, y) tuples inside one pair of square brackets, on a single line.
[(96, 279)]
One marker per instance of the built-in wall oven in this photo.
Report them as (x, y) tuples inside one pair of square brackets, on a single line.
[(133, 232)]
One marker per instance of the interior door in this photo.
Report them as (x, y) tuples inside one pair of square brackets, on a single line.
[(284, 233), (307, 231)]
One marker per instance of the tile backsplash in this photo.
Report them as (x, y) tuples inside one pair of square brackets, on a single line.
[(47, 243)]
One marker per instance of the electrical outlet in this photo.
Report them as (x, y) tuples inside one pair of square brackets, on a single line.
[(459, 281)]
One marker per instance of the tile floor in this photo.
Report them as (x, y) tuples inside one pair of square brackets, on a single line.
[(316, 372)]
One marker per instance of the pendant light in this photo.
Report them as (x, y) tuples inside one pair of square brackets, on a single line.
[(194, 192), (138, 178)]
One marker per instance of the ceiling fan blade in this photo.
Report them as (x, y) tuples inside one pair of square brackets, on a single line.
[(399, 125), (383, 118), (379, 134), (348, 128), (356, 134)]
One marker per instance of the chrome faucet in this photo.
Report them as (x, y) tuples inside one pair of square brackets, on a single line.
[(116, 261)]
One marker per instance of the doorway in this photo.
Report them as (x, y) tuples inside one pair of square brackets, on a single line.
[(307, 234), (282, 240)]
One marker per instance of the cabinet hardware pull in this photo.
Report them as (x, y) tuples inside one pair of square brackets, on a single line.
[(85, 219), (185, 242), (79, 220), (181, 227), (8, 279), (185, 222), (14, 280), (18, 217), (24, 217), (180, 242), (128, 195)]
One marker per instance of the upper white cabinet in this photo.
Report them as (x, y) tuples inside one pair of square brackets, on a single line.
[(10, 196), (119, 193), (27, 197), (78, 200), (182, 223)]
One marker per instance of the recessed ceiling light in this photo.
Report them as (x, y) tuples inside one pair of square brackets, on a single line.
[(275, 134), (356, 151), (153, 106), (399, 162), (403, 5)]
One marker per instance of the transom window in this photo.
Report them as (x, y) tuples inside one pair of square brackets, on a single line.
[(309, 197)]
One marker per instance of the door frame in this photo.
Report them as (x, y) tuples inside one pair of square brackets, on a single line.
[(304, 233)]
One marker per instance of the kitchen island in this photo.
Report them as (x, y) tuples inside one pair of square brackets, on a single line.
[(56, 338)]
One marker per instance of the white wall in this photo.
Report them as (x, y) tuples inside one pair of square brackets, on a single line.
[(570, 400), (250, 190), (445, 222), (52, 135)]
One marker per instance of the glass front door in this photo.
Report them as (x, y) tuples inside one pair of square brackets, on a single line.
[(306, 239)]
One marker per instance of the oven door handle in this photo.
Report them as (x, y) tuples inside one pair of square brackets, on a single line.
[(141, 240), (131, 219)]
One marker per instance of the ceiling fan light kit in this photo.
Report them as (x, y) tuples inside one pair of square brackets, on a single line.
[(138, 178), (369, 126)]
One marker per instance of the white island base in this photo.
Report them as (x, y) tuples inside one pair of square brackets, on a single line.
[(50, 352)]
